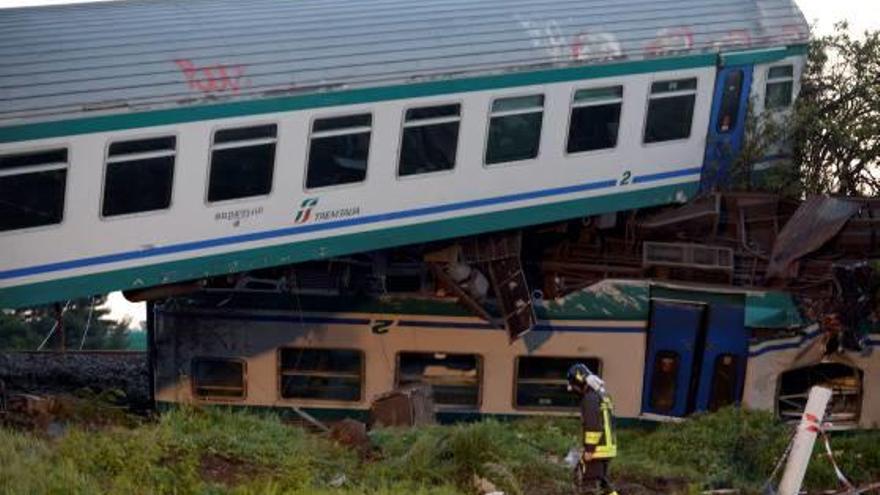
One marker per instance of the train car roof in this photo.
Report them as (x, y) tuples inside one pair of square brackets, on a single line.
[(82, 60)]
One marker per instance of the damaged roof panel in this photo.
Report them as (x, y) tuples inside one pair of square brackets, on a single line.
[(816, 222)]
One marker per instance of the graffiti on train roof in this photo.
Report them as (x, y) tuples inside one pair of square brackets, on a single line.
[(116, 57)]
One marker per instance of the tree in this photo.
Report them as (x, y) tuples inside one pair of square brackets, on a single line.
[(25, 329), (836, 121), (833, 130)]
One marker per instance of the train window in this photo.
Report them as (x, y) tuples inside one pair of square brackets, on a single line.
[(454, 378), (139, 176), (595, 119), (339, 150), (670, 110), (218, 378), (321, 374), (32, 188), (430, 139), (665, 381), (541, 381), (730, 101), (242, 162), (845, 382), (780, 86), (723, 391), (514, 129)]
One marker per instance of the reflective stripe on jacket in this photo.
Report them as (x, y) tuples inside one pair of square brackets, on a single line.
[(597, 415)]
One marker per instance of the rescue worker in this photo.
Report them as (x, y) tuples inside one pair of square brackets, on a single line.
[(600, 440)]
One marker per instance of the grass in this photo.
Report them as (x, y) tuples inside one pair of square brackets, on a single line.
[(216, 451), (736, 448)]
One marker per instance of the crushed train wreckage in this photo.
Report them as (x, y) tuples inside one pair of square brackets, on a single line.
[(819, 251), (733, 298)]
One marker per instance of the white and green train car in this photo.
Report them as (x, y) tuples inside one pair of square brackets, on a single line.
[(664, 351), (145, 143)]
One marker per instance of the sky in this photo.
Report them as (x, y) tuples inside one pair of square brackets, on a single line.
[(861, 15)]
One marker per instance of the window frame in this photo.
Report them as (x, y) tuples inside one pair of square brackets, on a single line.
[(775, 80), (210, 165), (362, 375), (40, 149), (675, 382), (244, 378), (713, 397), (308, 146), (672, 94), (480, 360), (109, 142), (403, 126), (571, 107), (839, 423), (489, 114), (515, 377)]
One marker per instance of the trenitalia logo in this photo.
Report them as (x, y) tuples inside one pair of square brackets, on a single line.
[(305, 210)]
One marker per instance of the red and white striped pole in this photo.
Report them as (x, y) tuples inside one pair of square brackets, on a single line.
[(804, 440)]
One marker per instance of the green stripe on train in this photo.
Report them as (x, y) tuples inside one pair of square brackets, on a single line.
[(196, 113), (762, 56), (610, 300), (251, 259)]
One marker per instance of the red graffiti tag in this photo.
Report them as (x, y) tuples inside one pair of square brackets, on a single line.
[(737, 37), (793, 33), (670, 40), (595, 46), (217, 78)]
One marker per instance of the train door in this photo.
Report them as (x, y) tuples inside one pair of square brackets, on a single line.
[(730, 105), (672, 337), (725, 353), (696, 357)]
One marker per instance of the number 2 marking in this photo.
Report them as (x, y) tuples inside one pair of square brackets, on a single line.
[(624, 180), (380, 327)]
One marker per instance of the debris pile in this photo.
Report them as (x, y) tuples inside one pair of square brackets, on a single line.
[(818, 250), (411, 405)]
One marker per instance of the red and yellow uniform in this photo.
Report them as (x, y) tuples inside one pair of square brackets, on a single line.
[(600, 442)]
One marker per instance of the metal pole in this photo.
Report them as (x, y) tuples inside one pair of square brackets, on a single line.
[(802, 450), (59, 314), (88, 322), (52, 331), (151, 351)]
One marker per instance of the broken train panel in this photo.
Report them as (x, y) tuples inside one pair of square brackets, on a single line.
[(334, 355), (782, 371)]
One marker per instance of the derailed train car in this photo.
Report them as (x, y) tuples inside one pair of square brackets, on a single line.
[(216, 137), (665, 351)]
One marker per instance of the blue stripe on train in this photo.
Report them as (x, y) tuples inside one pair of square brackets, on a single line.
[(337, 224), (793, 345), (639, 179)]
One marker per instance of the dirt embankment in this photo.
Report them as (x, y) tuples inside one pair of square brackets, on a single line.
[(56, 373)]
